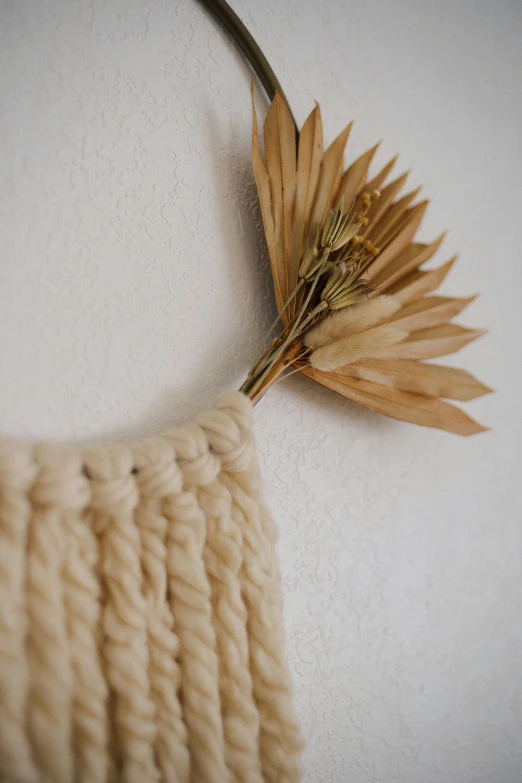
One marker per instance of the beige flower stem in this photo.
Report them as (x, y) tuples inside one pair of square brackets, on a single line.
[(285, 306), (276, 371), (267, 359), (255, 382)]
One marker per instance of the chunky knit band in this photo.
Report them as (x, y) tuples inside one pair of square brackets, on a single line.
[(141, 628)]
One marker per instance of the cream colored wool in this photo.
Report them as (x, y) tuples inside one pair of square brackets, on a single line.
[(141, 612)]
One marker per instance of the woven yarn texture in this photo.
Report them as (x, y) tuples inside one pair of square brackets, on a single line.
[(141, 626)]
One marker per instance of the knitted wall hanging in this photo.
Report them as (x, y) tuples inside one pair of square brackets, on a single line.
[(141, 624), (141, 615)]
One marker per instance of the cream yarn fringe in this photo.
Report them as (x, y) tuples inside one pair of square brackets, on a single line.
[(141, 628)]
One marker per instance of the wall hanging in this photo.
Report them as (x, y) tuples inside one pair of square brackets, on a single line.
[(141, 624)]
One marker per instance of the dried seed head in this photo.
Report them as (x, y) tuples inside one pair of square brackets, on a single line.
[(344, 285), (334, 282), (361, 219), (352, 319), (358, 346), (338, 229), (357, 293), (310, 263)]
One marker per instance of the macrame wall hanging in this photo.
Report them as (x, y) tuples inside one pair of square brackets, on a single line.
[(141, 626)]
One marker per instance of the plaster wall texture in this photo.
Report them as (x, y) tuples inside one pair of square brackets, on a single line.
[(134, 287)]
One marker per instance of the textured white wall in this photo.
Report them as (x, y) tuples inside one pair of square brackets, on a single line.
[(134, 287)]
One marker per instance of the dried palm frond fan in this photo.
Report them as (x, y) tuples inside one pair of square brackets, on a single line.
[(358, 311)]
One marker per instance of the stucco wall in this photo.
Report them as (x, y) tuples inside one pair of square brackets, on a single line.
[(134, 287)]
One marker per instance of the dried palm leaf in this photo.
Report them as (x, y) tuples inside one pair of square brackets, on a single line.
[(353, 300), (433, 380)]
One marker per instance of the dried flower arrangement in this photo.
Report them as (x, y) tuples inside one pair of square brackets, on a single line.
[(355, 305)]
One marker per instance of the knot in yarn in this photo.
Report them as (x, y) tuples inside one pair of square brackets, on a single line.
[(238, 406), (198, 465), (232, 444), (113, 487), (60, 482), (157, 472)]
